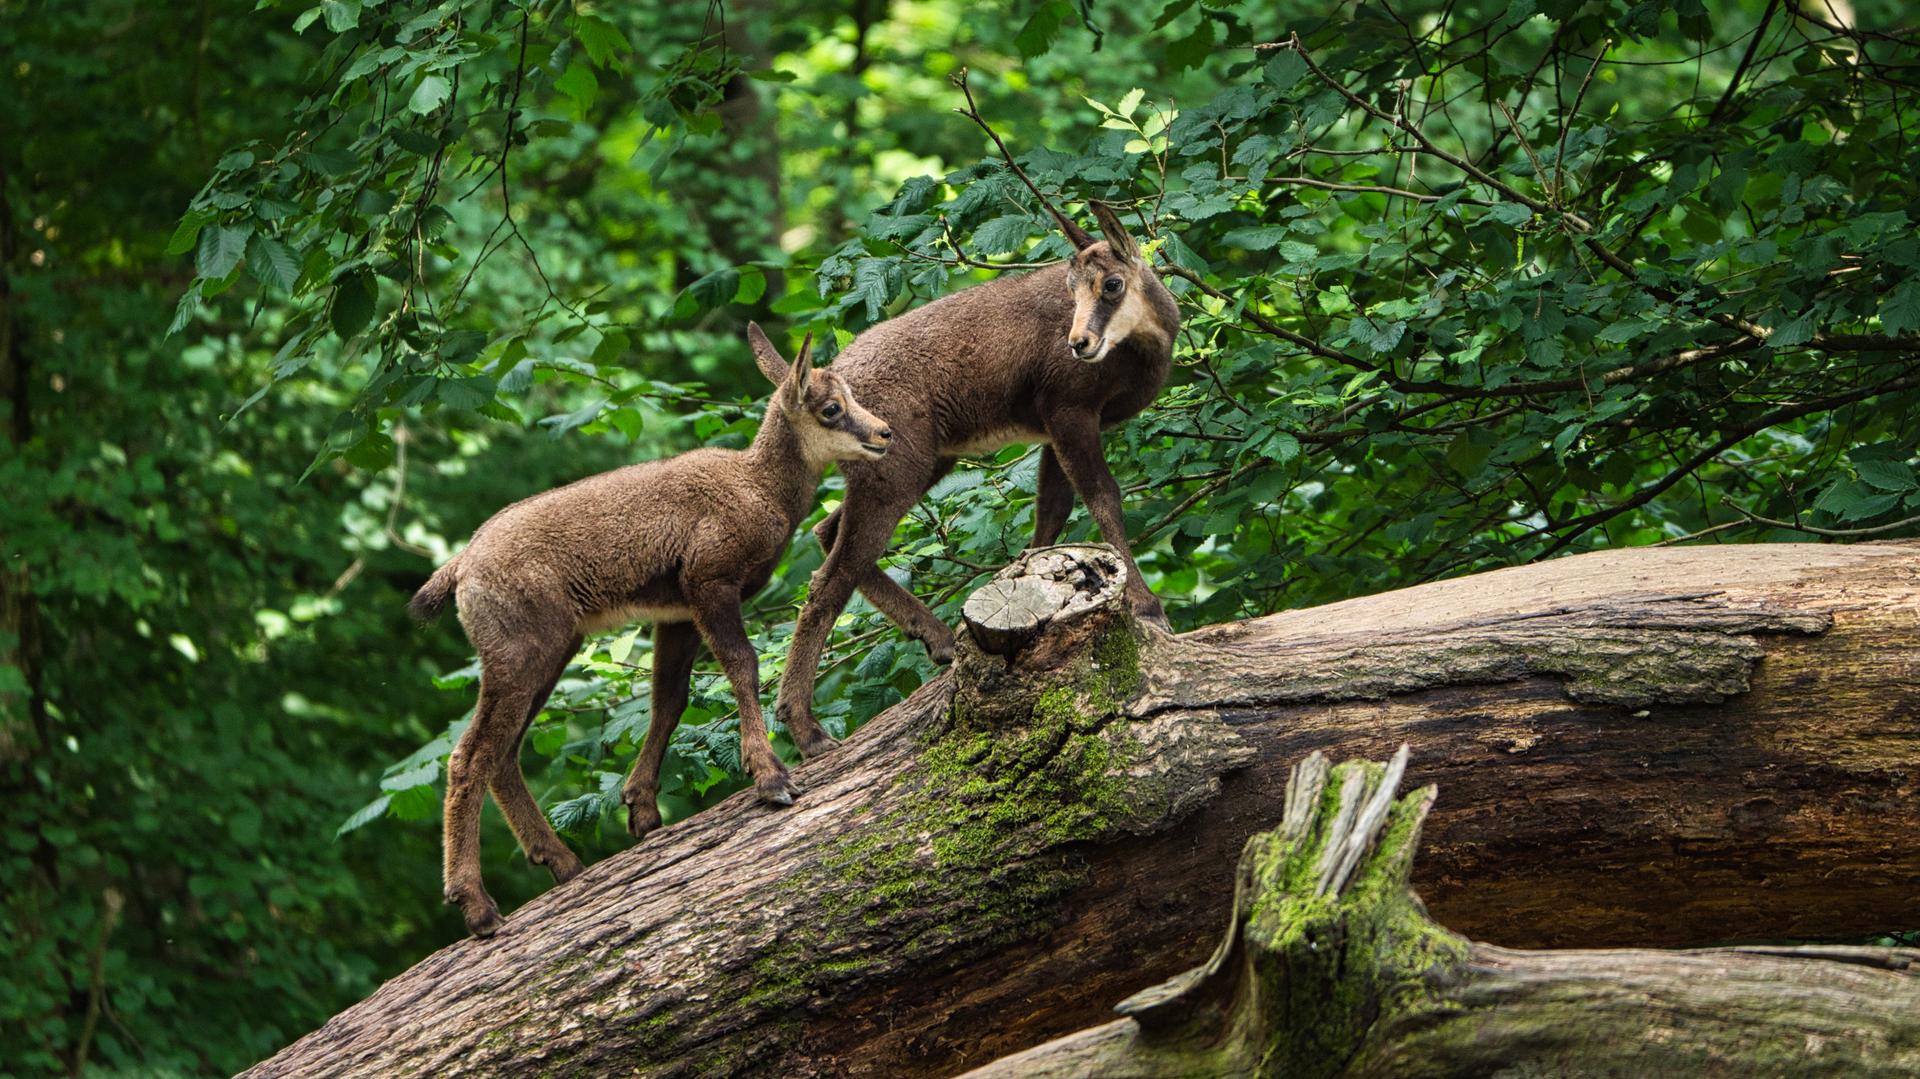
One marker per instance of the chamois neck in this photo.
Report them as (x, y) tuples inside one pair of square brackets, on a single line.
[(780, 461), (1166, 311)]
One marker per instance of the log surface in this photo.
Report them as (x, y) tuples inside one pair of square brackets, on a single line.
[(1680, 746)]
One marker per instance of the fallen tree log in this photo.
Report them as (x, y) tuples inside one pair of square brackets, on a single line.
[(1331, 966), (1662, 746)]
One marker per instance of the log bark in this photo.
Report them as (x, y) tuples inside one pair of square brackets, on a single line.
[(1330, 966), (1661, 747)]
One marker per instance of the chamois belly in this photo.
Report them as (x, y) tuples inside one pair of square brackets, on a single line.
[(660, 599), (998, 438), (625, 613)]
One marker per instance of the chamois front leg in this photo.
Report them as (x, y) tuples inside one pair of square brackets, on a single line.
[(874, 504), (901, 607), (717, 613), (1076, 439), (675, 647), (1052, 501)]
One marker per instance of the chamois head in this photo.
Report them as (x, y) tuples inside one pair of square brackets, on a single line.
[(1109, 304), (818, 404)]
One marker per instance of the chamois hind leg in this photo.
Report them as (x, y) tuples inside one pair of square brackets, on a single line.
[(1053, 500), (509, 785), (675, 646), (717, 613), (890, 598), (873, 506), (1076, 440), (509, 675)]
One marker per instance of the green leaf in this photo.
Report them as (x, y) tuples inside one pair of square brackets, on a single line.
[(753, 285), (352, 305), (221, 248), (272, 262), (1510, 213), (518, 378), (1264, 238), (1130, 102), (1284, 71), (185, 233), (364, 816), (426, 772), (611, 349), (468, 393), (184, 309), (707, 292), (342, 15), (580, 85), (1002, 235), (1377, 335), (1191, 51), (1795, 332), (579, 417), (600, 38), (622, 645), (874, 280), (373, 453), (1627, 329), (1280, 447), (1887, 475), (415, 803), (429, 95), (1037, 35), (1851, 500), (1900, 311)]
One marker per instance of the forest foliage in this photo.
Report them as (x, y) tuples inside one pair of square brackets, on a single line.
[(297, 296)]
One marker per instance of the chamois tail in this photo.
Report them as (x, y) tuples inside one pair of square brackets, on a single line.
[(432, 598)]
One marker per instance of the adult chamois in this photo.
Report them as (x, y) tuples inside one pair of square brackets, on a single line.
[(679, 542), (1053, 356)]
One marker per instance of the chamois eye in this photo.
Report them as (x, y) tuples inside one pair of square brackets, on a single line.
[(829, 412), (1112, 286)]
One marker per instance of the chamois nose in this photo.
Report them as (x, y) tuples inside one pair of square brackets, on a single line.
[(1080, 344), (884, 434)]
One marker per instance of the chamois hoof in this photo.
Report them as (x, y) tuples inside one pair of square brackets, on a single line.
[(777, 789), (1153, 614), (940, 651), (481, 915), (821, 742), (642, 818), (565, 866)]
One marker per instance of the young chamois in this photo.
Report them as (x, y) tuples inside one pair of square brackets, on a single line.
[(679, 542), (1053, 356)]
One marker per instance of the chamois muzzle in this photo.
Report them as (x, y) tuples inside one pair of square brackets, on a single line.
[(878, 443), (1088, 349)]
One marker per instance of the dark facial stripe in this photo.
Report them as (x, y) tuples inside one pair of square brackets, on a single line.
[(1102, 313)]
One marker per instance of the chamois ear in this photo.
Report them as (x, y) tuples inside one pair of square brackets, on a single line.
[(796, 376), (1116, 233), (1077, 236), (772, 364)]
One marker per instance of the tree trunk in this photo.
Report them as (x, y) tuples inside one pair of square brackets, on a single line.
[(1330, 966), (1656, 746)]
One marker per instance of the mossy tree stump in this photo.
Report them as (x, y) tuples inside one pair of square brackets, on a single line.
[(1656, 746)]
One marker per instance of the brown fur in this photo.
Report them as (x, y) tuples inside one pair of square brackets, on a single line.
[(679, 542), (988, 366)]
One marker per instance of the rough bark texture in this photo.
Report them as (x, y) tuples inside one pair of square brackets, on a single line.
[(1674, 746), (1331, 967)]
